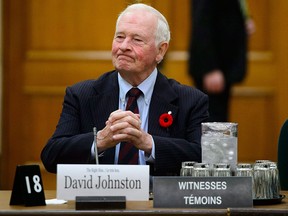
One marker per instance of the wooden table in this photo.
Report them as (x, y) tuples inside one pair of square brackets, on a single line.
[(134, 208)]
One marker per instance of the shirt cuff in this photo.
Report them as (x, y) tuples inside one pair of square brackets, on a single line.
[(151, 158), (93, 151)]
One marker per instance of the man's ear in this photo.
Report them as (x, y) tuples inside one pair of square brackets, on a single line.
[(162, 49)]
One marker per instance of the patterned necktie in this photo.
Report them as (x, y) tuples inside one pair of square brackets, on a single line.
[(128, 152)]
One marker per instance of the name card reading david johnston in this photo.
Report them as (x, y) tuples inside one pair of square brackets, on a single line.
[(202, 192), (131, 181)]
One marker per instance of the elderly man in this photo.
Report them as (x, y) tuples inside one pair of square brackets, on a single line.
[(159, 123)]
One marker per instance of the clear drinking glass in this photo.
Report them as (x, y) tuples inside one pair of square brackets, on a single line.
[(244, 169), (275, 181), (262, 180), (221, 170), (201, 170), (187, 168), (266, 178)]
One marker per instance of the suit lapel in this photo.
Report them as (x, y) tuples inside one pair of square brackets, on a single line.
[(102, 106), (105, 101), (161, 102)]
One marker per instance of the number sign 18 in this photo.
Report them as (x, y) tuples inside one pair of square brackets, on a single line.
[(28, 189)]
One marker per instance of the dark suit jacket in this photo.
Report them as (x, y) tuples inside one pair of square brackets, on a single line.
[(218, 40), (89, 104)]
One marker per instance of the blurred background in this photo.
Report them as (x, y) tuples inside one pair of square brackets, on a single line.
[(48, 45)]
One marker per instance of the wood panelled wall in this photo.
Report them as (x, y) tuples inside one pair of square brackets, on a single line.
[(49, 45)]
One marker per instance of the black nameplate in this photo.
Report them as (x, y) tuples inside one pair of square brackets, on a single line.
[(100, 202), (202, 192), (28, 188)]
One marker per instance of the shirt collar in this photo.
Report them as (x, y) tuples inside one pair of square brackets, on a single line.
[(146, 87)]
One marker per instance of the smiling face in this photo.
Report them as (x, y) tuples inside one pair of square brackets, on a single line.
[(134, 51)]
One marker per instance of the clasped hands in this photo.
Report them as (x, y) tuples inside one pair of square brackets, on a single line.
[(124, 126)]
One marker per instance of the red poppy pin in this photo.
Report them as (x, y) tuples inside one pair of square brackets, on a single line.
[(166, 119)]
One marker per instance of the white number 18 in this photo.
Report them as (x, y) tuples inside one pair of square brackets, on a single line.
[(37, 185)]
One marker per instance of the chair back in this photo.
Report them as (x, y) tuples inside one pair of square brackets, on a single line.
[(283, 156)]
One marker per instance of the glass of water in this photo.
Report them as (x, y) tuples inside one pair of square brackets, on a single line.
[(219, 143)]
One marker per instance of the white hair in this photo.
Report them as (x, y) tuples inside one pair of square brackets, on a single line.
[(162, 32)]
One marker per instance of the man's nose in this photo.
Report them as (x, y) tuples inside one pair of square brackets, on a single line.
[(126, 44)]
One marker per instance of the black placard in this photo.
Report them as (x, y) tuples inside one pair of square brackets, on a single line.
[(100, 202), (202, 192), (28, 188)]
